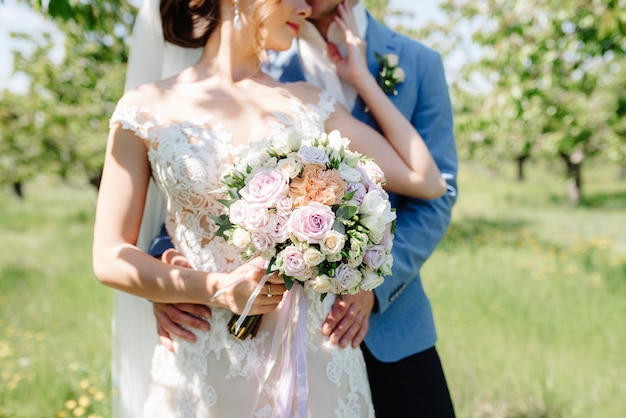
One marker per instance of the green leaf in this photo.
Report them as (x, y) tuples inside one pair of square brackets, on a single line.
[(288, 282), (346, 211)]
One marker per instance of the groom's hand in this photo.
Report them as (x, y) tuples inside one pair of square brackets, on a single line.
[(348, 320), (171, 317)]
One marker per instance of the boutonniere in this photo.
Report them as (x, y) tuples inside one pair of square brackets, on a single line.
[(389, 74)]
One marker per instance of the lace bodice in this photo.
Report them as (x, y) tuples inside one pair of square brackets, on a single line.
[(187, 160)]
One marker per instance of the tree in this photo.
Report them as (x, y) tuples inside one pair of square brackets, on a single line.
[(555, 73), (60, 125)]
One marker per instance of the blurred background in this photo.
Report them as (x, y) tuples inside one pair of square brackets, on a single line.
[(528, 287)]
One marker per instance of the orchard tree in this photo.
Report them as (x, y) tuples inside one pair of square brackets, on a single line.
[(554, 77), (63, 118)]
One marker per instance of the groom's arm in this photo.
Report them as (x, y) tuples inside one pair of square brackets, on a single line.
[(171, 318), (421, 224)]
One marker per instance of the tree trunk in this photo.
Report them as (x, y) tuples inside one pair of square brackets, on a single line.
[(573, 186), (17, 189), (521, 159), (94, 180)]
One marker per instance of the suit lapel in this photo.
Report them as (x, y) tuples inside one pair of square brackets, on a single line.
[(379, 39)]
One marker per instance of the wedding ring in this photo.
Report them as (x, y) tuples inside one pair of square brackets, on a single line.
[(269, 291)]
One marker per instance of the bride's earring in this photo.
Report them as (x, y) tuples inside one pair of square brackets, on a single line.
[(237, 19)]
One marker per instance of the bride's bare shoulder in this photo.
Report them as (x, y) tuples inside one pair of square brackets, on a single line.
[(306, 92), (145, 95)]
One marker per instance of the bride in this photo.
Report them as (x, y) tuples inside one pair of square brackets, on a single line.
[(183, 132)]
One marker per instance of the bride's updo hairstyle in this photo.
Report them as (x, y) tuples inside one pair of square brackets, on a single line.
[(189, 23)]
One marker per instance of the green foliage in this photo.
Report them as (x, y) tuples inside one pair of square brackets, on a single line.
[(555, 72), (60, 125), (528, 294)]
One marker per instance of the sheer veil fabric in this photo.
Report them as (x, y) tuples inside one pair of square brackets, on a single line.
[(133, 326)]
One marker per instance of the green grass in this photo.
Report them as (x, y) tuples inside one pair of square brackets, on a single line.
[(529, 295), (54, 315)]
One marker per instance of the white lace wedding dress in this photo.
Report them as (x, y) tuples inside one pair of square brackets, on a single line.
[(219, 375)]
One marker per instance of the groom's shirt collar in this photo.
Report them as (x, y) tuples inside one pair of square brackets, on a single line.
[(317, 67)]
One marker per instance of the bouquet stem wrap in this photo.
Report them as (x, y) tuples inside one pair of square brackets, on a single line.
[(289, 356)]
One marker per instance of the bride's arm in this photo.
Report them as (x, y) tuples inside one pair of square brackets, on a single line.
[(408, 165), (118, 263)]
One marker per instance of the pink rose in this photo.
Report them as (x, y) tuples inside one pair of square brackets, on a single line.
[(374, 256), (262, 242), (294, 264), (311, 223), (346, 279), (257, 218), (265, 187), (277, 228)]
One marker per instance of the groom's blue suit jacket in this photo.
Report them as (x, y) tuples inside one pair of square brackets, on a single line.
[(403, 322)]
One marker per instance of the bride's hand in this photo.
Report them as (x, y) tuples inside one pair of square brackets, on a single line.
[(240, 284), (353, 67)]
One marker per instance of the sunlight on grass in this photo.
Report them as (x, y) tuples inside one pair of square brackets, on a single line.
[(529, 300)]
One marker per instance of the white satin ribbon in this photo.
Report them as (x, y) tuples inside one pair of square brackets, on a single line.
[(246, 309)]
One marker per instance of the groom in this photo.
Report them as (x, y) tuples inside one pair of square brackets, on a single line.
[(395, 321)]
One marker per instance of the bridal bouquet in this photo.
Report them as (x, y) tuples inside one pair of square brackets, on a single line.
[(315, 209)]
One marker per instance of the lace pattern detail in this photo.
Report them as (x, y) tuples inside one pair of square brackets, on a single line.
[(187, 159)]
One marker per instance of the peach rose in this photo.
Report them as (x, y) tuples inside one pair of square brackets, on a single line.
[(317, 184)]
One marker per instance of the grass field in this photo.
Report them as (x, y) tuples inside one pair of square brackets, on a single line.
[(529, 295)]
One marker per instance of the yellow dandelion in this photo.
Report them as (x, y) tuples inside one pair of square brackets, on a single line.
[(91, 390), (62, 414), (74, 366), (29, 335), (99, 396), (40, 336), (84, 401), (79, 412), (12, 385), (71, 404), (83, 384), (5, 349)]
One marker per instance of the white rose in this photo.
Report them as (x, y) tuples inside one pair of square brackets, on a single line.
[(398, 75), (289, 167), (313, 257), (349, 174), (376, 203), (333, 243), (371, 280), (237, 212), (321, 284), (392, 60), (241, 238)]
